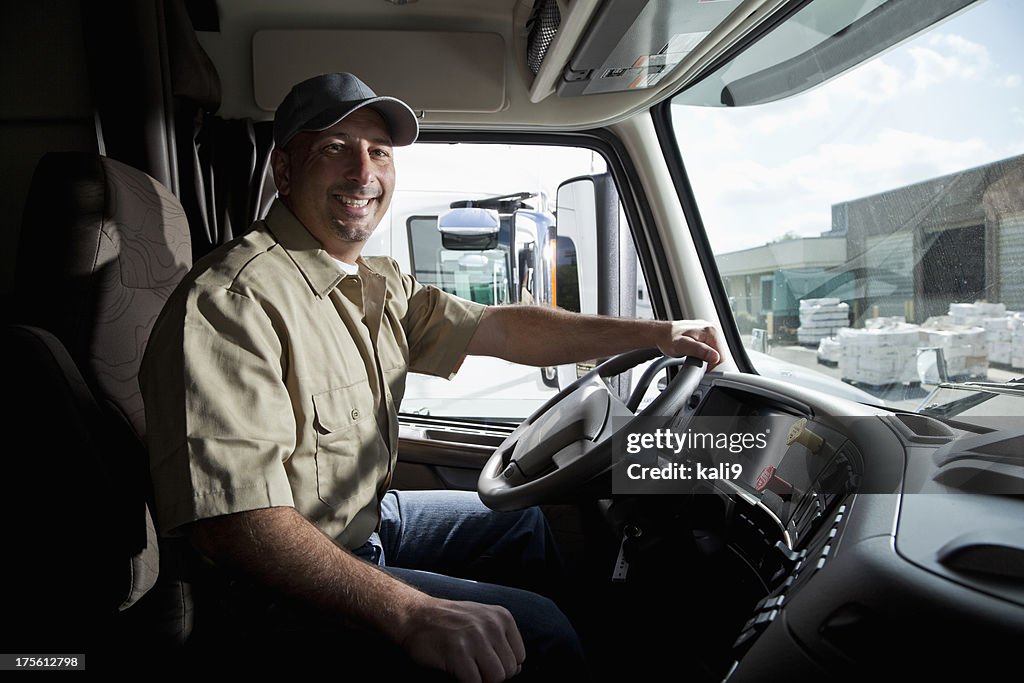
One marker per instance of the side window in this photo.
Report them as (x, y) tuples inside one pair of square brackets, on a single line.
[(480, 221)]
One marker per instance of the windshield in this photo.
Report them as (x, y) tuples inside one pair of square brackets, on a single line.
[(871, 229)]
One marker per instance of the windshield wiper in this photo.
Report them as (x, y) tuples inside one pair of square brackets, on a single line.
[(982, 391), (1012, 387)]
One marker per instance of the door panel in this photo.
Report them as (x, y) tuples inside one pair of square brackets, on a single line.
[(435, 453)]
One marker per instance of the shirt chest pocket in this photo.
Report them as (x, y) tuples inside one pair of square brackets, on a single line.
[(347, 443)]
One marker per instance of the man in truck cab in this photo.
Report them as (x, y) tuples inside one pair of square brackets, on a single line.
[(272, 383)]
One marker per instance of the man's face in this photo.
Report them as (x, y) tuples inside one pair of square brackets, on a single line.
[(339, 181)]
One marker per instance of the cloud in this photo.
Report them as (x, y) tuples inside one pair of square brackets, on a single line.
[(875, 81), (948, 56)]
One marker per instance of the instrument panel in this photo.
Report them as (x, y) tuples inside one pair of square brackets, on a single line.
[(871, 563)]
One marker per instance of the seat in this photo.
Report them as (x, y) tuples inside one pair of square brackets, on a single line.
[(102, 246)]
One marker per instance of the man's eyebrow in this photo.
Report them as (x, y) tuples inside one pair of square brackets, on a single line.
[(380, 140)]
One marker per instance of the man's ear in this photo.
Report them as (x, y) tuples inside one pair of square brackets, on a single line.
[(280, 162)]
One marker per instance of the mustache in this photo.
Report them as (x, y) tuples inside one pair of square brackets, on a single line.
[(357, 191)]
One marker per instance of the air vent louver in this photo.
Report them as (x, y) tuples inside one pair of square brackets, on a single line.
[(543, 25)]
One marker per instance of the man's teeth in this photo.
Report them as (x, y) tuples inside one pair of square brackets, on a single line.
[(349, 201)]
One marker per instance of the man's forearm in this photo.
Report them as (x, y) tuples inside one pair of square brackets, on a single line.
[(279, 548), (534, 335)]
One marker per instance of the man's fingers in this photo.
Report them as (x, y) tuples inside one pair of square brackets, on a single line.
[(492, 666), (466, 670), (517, 650), (698, 339), (508, 649), (515, 639)]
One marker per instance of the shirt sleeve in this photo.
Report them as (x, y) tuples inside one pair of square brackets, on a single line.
[(219, 419), (438, 326)]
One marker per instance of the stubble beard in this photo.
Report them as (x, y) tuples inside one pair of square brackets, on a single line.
[(350, 233)]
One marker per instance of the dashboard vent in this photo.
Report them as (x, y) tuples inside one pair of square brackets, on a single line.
[(922, 429), (543, 26)]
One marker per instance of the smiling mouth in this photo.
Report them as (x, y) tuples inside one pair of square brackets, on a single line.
[(353, 201)]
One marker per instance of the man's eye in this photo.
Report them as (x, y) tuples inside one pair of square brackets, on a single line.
[(381, 153), (334, 148)]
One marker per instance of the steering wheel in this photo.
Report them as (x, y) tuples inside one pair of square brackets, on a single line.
[(568, 440)]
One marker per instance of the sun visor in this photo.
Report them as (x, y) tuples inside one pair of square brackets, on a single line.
[(466, 70), (635, 44)]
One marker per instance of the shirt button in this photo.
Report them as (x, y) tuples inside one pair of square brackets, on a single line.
[(355, 413)]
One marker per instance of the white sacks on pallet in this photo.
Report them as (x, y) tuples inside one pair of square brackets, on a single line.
[(997, 322), (999, 338), (821, 318), (1017, 342), (881, 355), (829, 351), (963, 348), (974, 314)]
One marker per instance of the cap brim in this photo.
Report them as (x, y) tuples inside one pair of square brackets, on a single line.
[(399, 118)]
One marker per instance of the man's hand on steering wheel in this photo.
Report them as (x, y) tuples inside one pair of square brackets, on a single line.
[(695, 338)]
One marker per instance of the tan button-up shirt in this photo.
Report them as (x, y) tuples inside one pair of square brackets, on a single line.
[(272, 379)]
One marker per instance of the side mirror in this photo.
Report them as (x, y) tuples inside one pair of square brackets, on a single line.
[(469, 229)]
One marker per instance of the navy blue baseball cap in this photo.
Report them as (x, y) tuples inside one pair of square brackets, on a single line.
[(320, 102)]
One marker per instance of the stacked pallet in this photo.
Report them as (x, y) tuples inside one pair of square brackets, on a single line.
[(1001, 329), (880, 355), (821, 318), (999, 338), (964, 349), (1017, 342)]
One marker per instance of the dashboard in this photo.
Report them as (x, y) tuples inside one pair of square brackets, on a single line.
[(883, 542)]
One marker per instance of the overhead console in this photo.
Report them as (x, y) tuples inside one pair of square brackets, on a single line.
[(634, 44)]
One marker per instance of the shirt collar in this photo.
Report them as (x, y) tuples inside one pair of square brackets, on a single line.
[(315, 264)]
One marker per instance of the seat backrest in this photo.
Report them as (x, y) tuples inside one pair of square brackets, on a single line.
[(81, 543), (102, 247)]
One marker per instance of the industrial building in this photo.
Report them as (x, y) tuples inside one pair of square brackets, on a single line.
[(910, 251)]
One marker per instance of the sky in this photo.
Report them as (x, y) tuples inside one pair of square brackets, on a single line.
[(946, 100)]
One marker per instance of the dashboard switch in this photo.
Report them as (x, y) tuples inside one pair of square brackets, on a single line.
[(793, 556)]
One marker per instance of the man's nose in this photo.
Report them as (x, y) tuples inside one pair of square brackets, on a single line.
[(361, 168)]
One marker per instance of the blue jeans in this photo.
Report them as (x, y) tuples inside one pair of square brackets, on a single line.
[(449, 545)]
